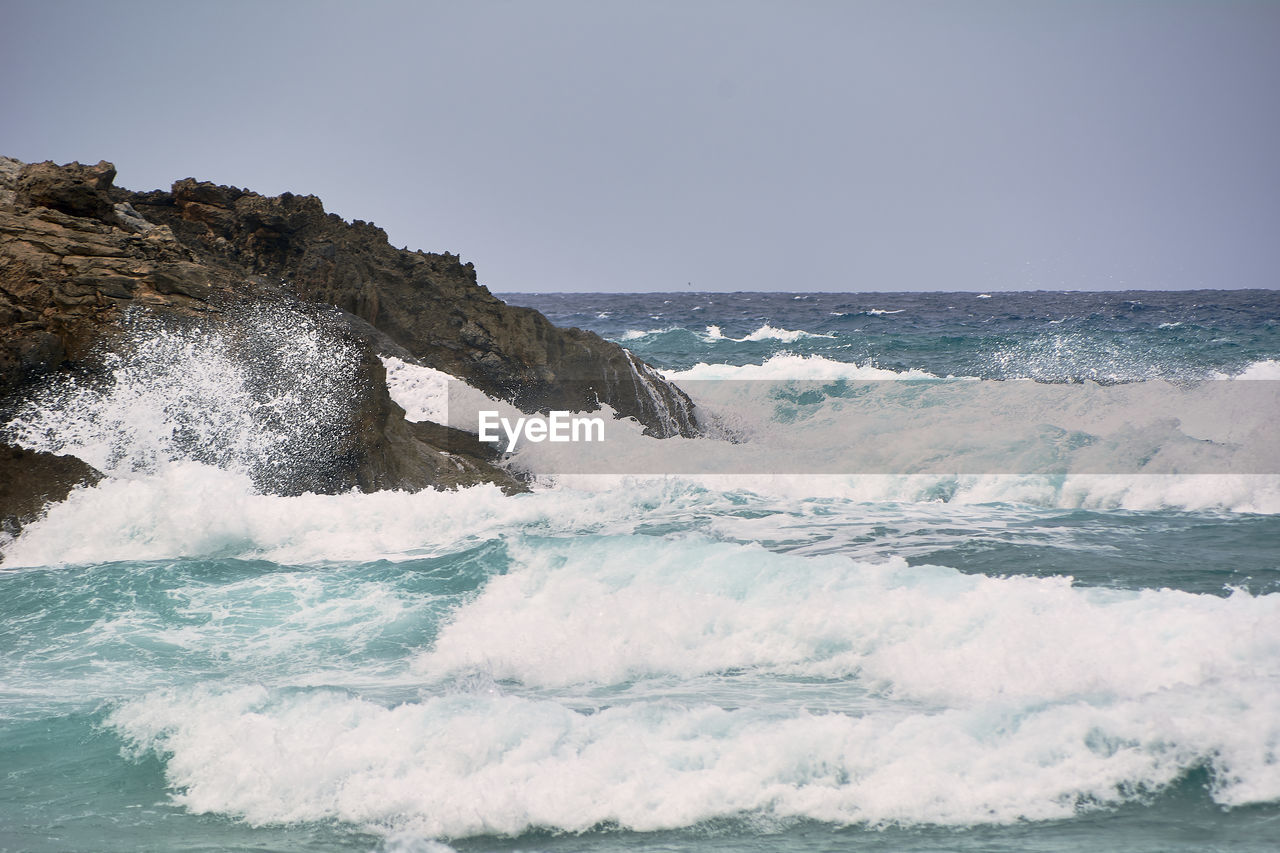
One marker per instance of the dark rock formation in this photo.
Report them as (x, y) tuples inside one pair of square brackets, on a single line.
[(29, 480), (78, 255), (73, 189), (73, 264), (385, 451), (430, 304), (65, 277)]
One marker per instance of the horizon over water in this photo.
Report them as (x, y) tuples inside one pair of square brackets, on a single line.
[(903, 660)]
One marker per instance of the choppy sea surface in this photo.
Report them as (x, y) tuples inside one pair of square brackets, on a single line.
[(887, 662)]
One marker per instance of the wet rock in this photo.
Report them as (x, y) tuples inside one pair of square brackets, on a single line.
[(79, 255), (429, 304), (30, 480)]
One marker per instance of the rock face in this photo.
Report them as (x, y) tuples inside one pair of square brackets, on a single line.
[(66, 275), (72, 189), (29, 480), (78, 255), (385, 451), (430, 304)]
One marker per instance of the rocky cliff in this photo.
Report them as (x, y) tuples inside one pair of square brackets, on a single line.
[(430, 304), (79, 255)]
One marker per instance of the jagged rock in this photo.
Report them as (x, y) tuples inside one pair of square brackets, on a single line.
[(65, 278), (131, 219), (77, 255), (74, 262), (29, 480), (382, 450), (430, 304), (73, 189)]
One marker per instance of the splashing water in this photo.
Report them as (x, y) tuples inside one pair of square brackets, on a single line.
[(884, 662), (266, 392)]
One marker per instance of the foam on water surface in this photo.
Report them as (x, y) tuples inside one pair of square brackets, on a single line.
[(765, 332), (791, 366), (614, 610), (1001, 654), (1086, 727), (462, 765), (193, 510)]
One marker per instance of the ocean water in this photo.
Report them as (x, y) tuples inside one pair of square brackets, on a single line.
[(898, 661)]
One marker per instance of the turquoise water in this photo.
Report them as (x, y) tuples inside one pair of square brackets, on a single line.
[(886, 663)]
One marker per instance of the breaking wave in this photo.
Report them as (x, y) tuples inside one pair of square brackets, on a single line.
[(609, 680), (266, 392)]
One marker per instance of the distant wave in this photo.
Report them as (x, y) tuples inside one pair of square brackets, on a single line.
[(765, 333), (869, 312), (791, 366), (635, 334)]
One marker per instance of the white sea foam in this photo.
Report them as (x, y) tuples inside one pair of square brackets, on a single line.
[(189, 509), (1237, 493), (612, 609), (267, 393), (766, 332), (785, 366), (186, 508), (423, 392), (193, 510), (637, 334), (1042, 360), (1002, 699), (769, 333), (468, 765)]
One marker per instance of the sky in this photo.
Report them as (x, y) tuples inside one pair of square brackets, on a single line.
[(704, 145)]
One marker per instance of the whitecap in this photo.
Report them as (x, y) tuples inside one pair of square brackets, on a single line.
[(765, 332)]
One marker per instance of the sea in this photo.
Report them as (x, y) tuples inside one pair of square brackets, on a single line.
[(1012, 657)]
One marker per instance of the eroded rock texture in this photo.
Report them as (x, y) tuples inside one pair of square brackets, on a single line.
[(79, 255)]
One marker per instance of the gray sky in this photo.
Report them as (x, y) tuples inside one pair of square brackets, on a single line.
[(735, 145)]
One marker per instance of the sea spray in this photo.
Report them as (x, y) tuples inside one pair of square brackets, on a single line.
[(731, 662), (266, 391)]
